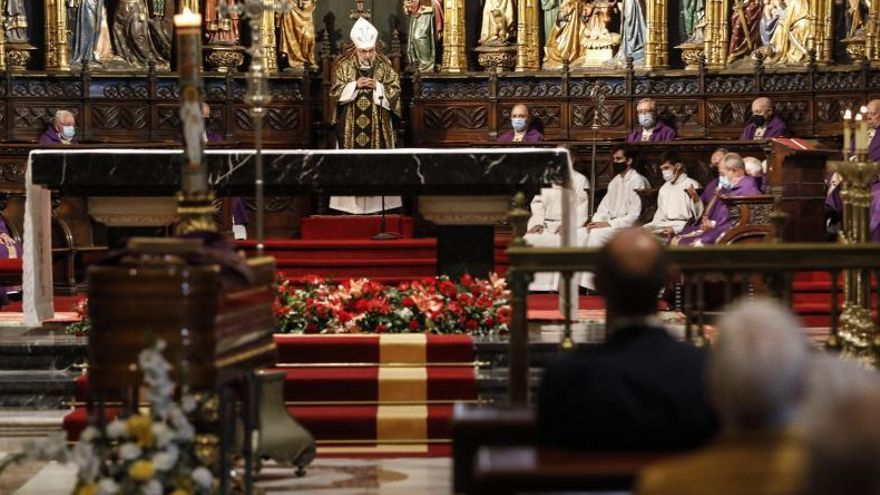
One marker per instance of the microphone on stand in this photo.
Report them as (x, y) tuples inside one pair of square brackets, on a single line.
[(383, 235)]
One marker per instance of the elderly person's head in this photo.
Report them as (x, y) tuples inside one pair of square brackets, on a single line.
[(754, 167), (647, 113), (872, 116), (845, 451), (717, 157), (732, 169), (758, 369), (632, 270), (762, 111), (64, 124), (206, 110), (519, 117)]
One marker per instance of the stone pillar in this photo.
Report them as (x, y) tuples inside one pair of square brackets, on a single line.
[(528, 49), (454, 59), (715, 43), (270, 46), (57, 52), (656, 42)]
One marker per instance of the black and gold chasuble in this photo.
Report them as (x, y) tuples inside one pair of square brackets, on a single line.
[(360, 123)]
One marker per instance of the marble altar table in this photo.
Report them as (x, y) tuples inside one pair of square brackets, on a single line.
[(455, 187)]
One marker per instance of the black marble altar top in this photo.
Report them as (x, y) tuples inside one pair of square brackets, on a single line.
[(117, 172)]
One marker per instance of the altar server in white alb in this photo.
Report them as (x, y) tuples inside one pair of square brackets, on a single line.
[(619, 209), (545, 224), (677, 201), (366, 93)]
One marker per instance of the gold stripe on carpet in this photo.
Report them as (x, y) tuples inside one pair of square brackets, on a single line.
[(403, 348), (376, 449), (403, 384), (401, 422)]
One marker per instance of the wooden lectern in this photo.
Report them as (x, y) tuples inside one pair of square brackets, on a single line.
[(796, 172)]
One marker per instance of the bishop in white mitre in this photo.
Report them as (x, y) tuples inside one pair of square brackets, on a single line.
[(619, 209), (545, 224), (366, 93), (677, 202)]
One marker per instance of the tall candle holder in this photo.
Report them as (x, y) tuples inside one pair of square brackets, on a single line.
[(858, 335), (195, 201)]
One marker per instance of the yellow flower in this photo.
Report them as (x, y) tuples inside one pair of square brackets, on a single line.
[(142, 470), (88, 489), (141, 428), (180, 491)]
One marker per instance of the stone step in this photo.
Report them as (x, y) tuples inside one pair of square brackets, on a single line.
[(36, 389)]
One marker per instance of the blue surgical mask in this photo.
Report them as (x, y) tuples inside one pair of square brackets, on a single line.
[(68, 131), (646, 120), (518, 123), (724, 182)]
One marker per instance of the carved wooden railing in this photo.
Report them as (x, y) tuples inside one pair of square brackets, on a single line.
[(739, 270)]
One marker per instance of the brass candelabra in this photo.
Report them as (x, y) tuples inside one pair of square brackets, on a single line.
[(858, 336)]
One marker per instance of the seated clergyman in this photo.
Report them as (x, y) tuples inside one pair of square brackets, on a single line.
[(650, 128), (716, 220), (522, 130), (763, 124), (545, 224), (62, 130), (677, 200)]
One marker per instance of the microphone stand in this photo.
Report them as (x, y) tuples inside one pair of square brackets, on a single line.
[(383, 235), (598, 97)]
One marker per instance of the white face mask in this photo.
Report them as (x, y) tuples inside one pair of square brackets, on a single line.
[(68, 131), (668, 174), (518, 123)]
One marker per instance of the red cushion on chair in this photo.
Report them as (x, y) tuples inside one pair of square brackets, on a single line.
[(10, 265)]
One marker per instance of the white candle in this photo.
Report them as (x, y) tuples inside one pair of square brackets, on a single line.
[(861, 134), (187, 19), (847, 134)]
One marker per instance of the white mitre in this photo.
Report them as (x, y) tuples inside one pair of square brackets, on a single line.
[(363, 34)]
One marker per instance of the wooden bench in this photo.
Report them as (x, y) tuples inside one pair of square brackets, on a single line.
[(510, 470), (752, 216), (478, 426)]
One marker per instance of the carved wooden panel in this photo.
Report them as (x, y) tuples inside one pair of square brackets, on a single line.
[(458, 90), (31, 116), (529, 87), (118, 117), (45, 88), (667, 86), (838, 80), (730, 84), (120, 89), (681, 113), (830, 110), (727, 113), (793, 112), (169, 118), (584, 87), (612, 114), (785, 82), (470, 117), (279, 119)]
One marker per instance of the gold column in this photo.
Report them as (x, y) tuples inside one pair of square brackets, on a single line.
[(715, 42), (2, 46), (57, 56), (656, 44), (270, 48), (871, 31), (192, 5), (821, 12), (528, 50), (454, 59)]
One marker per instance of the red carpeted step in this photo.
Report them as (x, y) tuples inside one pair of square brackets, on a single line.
[(450, 348), (300, 249), (365, 348), (353, 226), (359, 422), (354, 268)]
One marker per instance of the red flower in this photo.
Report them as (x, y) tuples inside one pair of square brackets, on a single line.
[(465, 298), (380, 328), (504, 314), (408, 302), (447, 288), (311, 328), (362, 305), (471, 324), (414, 324), (484, 302), (490, 322), (344, 316), (466, 279)]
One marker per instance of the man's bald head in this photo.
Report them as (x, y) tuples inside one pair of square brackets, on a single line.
[(872, 117), (762, 106), (632, 270)]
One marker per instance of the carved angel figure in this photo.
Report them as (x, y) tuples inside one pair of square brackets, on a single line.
[(499, 22)]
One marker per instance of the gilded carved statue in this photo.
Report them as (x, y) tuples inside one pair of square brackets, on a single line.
[(564, 40), (425, 28), (297, 34), (788, 44), (551, 10), (745, 24), (856, 14), (90, 38), (138, 38), (633, 33), (499, 22), (15, 21), (693, 16), (581, 35), (221, 29)]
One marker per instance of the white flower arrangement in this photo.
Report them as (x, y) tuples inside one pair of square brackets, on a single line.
[(145, 455)]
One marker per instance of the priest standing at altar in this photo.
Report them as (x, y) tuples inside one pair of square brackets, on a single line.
[(366, 93)]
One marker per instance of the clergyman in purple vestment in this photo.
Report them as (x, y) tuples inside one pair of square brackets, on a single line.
[(763, 124), (62, 129), (650, 128), (715, 163), (522, 129), (716, 219)]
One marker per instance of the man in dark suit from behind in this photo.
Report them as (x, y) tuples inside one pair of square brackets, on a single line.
[(640, 391)]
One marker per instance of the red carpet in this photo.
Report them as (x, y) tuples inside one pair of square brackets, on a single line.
[(348, 227), (367, 394)]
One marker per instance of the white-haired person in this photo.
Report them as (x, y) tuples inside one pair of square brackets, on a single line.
[(756, 378), (62, 129), (755, 170)]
